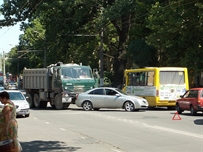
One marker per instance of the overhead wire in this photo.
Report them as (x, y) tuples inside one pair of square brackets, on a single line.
[(11, 20)]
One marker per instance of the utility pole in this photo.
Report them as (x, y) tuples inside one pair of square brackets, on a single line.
[(101, 59), (101, 52), (4, 62), (18, 65), (45, 53)]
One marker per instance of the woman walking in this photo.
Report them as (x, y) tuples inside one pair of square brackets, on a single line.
[(8, 125)]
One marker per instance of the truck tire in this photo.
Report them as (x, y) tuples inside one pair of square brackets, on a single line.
[(58, 102), (36, 100), (30, 100)]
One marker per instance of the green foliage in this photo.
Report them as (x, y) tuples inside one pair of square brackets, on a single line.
[(136, 32), (142, 54), (17, 10), (175, 32)]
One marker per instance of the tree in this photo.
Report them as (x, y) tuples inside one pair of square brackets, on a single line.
[(17, 11), (177, 33)]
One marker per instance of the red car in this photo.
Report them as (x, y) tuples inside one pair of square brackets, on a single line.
[(192, 100)]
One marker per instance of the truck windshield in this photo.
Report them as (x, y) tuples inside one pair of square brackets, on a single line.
[(76, 72)]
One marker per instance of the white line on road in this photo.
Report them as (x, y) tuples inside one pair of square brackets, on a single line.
[(74, 113), (62, 129), (131, 121), (175, 131), (47, 122), (116, 150), (155, 127), (83, 137)]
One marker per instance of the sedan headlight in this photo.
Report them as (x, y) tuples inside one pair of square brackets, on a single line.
[(144, 101)]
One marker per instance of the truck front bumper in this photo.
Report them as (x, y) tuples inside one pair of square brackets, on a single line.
[(66, 99)]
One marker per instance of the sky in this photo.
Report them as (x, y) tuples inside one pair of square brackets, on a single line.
[(9, 36)]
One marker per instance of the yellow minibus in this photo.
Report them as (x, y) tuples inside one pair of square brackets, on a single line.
[(161, 86)]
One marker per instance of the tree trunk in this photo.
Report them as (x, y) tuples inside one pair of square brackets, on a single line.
[(119, 67), (119, 59)]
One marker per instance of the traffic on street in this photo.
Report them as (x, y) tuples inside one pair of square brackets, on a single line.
[(101, 76), (110, 130)]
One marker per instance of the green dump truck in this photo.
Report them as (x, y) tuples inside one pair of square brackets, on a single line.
[(58, 84)]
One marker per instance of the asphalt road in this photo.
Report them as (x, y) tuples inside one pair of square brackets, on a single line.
[(107, 130)]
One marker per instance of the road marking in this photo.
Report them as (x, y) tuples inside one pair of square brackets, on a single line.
[(47, 122), (76, 113), (175, 131), (116, 150), (154, 127), (62, 129), (35, 118), (125, 120), (131, 121), (83, 137)]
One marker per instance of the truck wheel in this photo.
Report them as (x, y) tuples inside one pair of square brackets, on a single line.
[(36, 100), (58, 102), (30, 101)]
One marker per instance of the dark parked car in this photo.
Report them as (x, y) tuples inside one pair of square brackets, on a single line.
[(192, 101)]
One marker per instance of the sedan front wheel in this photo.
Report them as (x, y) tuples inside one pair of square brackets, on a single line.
[(87, 106), (129, 106)]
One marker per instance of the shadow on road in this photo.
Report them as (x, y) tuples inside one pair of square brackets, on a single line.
[(198, 121), (41, 146), (160, 109), (80, 109)]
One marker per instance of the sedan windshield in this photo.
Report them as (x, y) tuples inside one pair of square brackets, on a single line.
[(16, 96)]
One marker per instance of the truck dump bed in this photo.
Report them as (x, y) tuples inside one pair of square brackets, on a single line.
[(36, 79)]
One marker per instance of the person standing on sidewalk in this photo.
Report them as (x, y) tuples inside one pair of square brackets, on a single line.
[(8, 125)]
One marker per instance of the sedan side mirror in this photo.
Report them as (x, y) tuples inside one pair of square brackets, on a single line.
[(26, 97), (118, 95)]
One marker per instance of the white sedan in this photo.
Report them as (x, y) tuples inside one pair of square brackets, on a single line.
[(108, 97), (22, 106)]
